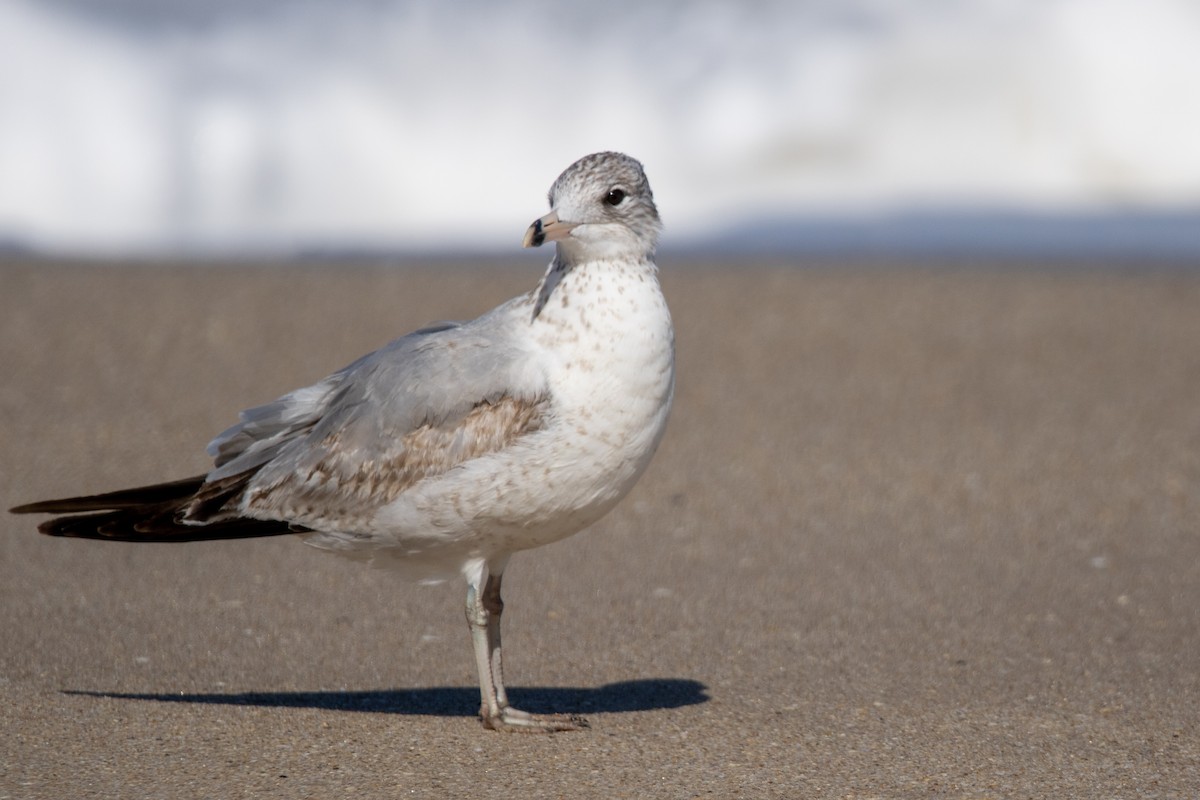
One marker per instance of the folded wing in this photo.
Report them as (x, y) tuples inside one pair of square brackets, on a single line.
[(338, 449)]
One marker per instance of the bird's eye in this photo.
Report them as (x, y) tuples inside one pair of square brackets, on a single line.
[(614, 197)]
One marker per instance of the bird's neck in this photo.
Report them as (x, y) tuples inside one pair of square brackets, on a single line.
[(560, 268), (554, 274)]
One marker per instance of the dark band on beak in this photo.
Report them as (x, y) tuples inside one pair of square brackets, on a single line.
[(535, 237), (547, 229)]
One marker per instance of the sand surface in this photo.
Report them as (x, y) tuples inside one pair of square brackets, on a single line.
[(911, 534)]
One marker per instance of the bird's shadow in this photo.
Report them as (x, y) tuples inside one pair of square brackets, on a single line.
[(642, 695)]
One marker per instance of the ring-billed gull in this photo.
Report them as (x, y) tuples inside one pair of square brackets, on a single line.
[(451, 448)]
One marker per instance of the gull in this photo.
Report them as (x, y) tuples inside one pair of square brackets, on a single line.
[(449, 449)]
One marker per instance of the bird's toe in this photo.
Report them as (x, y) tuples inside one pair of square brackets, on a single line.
[(517, 721)]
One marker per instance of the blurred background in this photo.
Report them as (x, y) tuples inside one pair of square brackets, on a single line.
[(277, 128)]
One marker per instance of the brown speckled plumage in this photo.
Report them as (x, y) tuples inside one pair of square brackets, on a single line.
[(344, 485)]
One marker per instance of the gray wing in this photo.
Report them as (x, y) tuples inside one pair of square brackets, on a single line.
[(416, 407)]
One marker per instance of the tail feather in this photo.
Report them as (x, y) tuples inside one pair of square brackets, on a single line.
[(158, 513), (138, 526)]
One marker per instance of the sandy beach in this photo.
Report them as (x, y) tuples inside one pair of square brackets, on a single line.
[(912, 533)]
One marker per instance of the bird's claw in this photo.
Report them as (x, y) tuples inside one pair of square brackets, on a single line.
[(517, 721)]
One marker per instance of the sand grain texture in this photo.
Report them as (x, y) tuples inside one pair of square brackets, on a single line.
[(912, 533)]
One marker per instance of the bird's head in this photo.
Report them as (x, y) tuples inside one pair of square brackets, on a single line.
[(601, 207)]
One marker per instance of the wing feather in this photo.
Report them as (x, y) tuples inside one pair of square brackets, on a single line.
[(339, 448)]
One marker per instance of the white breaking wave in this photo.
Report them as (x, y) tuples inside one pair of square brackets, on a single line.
[(153, 127)]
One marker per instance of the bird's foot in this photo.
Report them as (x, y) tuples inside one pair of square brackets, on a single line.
[(515, 720)]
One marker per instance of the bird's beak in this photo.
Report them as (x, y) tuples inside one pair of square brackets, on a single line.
[(547, 229)]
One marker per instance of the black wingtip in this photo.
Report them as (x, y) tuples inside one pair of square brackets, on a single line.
[(112, 501), (158, 513), (45, 507)]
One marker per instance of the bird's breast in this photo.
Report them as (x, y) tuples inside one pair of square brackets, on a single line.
[(608, 345)]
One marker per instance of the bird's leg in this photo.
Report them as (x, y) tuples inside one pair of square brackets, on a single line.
[(481, 623), (484, 608)]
